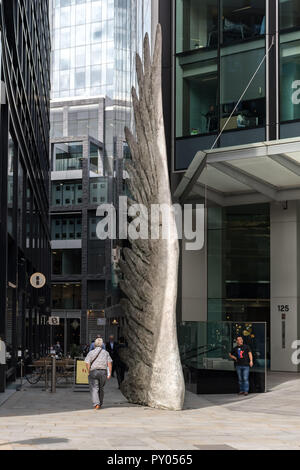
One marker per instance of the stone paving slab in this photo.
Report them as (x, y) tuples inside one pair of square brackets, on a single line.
[(6, 395), (33, 419)]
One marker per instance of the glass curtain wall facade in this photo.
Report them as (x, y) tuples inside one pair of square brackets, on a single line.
[(224, 56), (93, 46), (24, 196), (219, 47), (289, 27), (83, 48)]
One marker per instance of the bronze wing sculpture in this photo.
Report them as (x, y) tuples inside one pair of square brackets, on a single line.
[(150, 267)]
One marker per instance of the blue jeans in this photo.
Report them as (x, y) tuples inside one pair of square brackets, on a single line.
[(243, 373)]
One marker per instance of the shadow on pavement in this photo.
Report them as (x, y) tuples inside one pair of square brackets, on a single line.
[(39, 441), (34, 401)]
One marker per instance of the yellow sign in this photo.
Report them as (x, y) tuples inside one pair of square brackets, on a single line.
[(81, 376)]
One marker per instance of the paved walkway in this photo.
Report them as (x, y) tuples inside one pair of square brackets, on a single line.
[(34, 419)]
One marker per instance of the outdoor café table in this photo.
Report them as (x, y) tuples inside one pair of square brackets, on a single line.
[(46, 363)]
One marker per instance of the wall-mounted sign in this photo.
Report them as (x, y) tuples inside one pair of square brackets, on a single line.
[(283, 308), (101, 321), (38, 280), (54, 321)]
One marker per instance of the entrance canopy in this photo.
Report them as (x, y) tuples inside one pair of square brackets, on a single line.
[(248, 174)]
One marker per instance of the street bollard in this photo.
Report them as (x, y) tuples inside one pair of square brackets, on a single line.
[(46, 375), (53, 375)]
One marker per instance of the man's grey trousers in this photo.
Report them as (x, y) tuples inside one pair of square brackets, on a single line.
[(97, 381)]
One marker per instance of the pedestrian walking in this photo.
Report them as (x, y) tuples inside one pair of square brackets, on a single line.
[(119, 364), (85, 349), (243, 358), (92, 346), (58, 349), (99, 366), (112, 347)]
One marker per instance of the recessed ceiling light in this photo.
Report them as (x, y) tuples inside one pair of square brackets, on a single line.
[(242, 9)]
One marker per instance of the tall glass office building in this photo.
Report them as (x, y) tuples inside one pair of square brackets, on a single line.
[(93, 68), (93, 46), (24, 194), (236, 73)]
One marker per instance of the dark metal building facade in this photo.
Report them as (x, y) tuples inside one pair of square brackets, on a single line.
[(24, 199)]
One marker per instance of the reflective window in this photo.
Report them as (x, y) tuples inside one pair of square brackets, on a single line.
[(289, 14), (10, 185), (64, 59), (96, 75), (80, 14), (65, 3), (83, 120), (21, 179), (98, 31), (80, 78), (239, 241), (197, 95), (66, 193), (93, 221), (66, 228), (197, 24), (66, 262), (65, 17), (236, 72), (96, 162), (65, 38), (66, 296), (28, 217), (96, 247), (80, 35), (68, 156), (80, 56), (64, 80), (290, 80), (96, 54), (97, 11), (56, 120), (96, 295), (242, 20), (98, 191)]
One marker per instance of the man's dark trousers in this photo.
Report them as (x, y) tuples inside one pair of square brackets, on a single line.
[(113, 353)]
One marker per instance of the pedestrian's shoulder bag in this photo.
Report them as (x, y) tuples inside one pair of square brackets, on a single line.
[(96, 357)]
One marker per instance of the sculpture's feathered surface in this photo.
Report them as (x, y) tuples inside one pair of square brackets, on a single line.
[(150, 267)]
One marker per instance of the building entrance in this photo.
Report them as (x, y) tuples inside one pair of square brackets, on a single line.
[(239, 264), (68, 335)]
